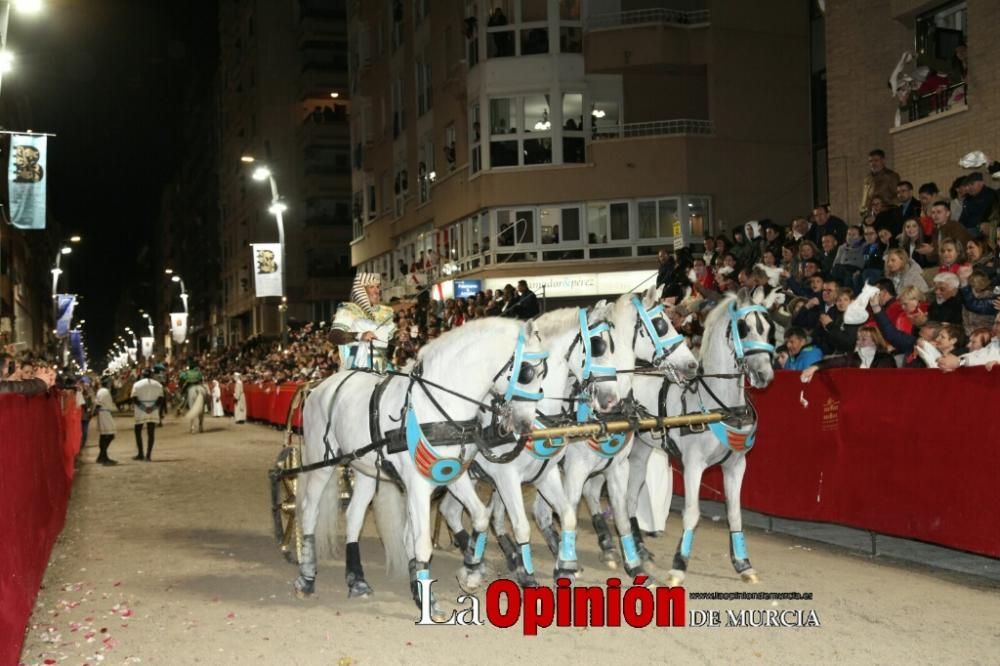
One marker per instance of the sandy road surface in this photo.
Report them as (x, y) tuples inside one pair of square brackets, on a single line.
[(172, 562)]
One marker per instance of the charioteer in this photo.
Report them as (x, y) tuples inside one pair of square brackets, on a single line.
[(363, 327)]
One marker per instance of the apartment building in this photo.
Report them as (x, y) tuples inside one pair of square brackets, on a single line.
[(566, 142), (283, 102), (925, 132)]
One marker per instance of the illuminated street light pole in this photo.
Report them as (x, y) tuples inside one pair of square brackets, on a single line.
[(277, 208), (25, 7)]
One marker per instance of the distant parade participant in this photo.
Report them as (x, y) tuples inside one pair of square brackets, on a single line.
[(216, 399), (147, 395), (189, 377), (160, 375), (105, 407), (239, 399), (363, 327)]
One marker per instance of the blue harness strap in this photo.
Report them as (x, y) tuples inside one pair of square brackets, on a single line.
[(740, 345), (586, 333), (520, 356), (431, 465), (661, 346)]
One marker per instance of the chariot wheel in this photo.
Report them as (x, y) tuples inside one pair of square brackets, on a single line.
[(287, 530)]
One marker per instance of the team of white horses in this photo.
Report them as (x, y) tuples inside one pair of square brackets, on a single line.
[(454, 418)]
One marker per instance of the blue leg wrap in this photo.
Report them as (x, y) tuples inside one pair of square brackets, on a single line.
[(739, 546), (477, 554), (529, 566), (686, 542), (631, 554), (567, 547)]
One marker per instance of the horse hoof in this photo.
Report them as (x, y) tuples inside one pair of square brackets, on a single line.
[(645, 555), (750, 576), (675, 579), (610, 560), (438, 615), (359, 589), (571, 576), (304, 587), (525, 579), (470, 580)]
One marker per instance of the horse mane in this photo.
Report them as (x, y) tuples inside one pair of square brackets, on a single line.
[(717, 314), (455, 341), (556, 322)]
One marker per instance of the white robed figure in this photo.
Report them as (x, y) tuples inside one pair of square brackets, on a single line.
[(364, 327), (240, 400), (216, 399)]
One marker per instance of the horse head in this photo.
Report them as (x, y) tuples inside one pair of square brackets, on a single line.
[(654, 338), (591, 358), (751, 334)]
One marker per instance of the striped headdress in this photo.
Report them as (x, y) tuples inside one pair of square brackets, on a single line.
[(358, 293)]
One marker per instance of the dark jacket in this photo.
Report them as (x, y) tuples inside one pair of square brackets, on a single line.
[(976, 209), (526, 307), (901, 341), (874, 254), (840, 337), (853, 360), (983, 306), (949, 311), (834, 224)]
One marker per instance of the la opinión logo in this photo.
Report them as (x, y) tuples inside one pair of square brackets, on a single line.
[(567, 606)]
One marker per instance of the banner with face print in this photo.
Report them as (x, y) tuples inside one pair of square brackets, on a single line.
[(26, 180), (147, 347), (266, 269), (179, 326)]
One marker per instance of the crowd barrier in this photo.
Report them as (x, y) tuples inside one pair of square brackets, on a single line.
[(40, 439), (901, 452)]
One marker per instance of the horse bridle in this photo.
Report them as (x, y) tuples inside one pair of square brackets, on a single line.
[(739, 330), (526, 373), (658, 331)]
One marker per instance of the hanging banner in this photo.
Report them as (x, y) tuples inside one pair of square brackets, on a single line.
[(26, 180), (132, 352), (179, 326), (65, 303), (76, 348), (147, 347), (266, 271)]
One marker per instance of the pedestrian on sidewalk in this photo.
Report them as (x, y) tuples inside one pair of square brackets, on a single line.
[(240, 408), (147, 396), (105, 407)]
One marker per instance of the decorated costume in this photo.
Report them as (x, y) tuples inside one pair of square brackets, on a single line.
[(357, 317)]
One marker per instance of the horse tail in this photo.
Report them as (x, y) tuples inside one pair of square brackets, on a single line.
[(197, 406), (390, 519), (328, 521)]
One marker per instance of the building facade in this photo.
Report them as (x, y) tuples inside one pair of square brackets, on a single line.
[(566, 142), (283, 102), (925, 133)]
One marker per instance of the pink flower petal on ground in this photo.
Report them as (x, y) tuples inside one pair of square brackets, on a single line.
[(231, 616)]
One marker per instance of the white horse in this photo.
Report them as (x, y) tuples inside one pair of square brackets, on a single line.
[(642, 335), (495, 360), (197, 395), (580, 367), (737, 346), (650, 392)]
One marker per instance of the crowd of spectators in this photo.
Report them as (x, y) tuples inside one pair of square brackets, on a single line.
[(933, 258)]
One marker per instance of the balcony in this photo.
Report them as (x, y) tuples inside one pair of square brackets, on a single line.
[(657, 16), (943, 101), (645, 37), (318, 80), (681, 126), (324, 133)]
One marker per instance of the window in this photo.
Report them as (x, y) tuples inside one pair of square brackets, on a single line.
[(449, 146), (371, 202), (574, 146), (657, 218), (398, 110), (475, 150), (503, 116), (515, 227), (559, 226), (423, 81), (607, 223), (699, 210), (385, 184), (605, 119), (425, 168), (517, 28)]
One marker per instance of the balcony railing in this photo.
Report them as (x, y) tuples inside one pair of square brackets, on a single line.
[(680, 17), (655, 128), (944, 99)]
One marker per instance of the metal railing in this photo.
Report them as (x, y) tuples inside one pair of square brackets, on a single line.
[(681, 17), (655, 128), (944, 99)]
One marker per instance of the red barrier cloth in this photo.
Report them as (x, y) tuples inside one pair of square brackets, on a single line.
[(34, 489), (909, 453)]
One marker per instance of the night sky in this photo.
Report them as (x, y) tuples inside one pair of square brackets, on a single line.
[(108, 76)]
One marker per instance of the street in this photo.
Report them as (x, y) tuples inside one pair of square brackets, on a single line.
[(173, 562)]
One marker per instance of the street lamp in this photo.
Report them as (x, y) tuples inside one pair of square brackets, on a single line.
[(184, 294), (277, 208), (23, 6)]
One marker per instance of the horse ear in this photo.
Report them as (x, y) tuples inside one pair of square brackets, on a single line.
[(742, 296), (603, 303), (529, 328), (757, 295), (649, 297)]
